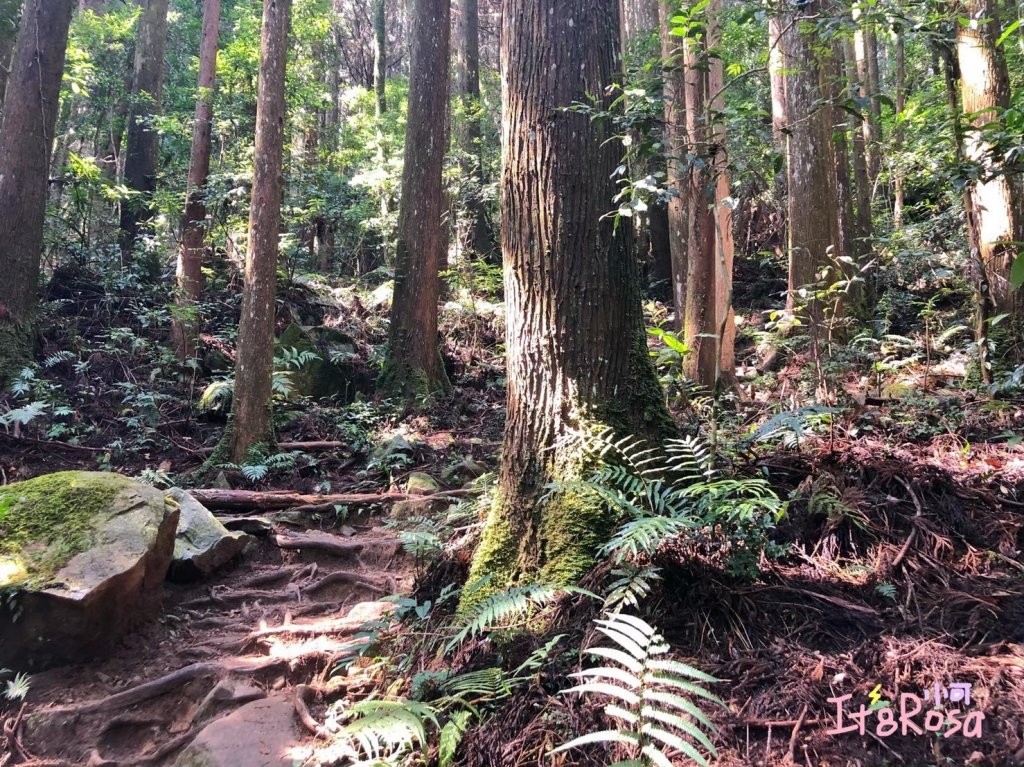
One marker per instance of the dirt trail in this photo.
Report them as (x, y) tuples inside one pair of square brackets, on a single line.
[(227, 675)]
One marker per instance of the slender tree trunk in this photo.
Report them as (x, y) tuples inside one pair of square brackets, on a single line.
[(725, 318), (251, 422), (811, 176), (985, 91), (700, 321), (866, 43), (864, 230), (897, 137), (380, 62), (845, 256), (676, 140), (639, 26), (475, 235), (577, 356), (193, 226), (26, 139), (414, 365), (142, 151)]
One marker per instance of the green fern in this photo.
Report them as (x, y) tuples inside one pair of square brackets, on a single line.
[(651, 698), (382, 733), (498, 608), (674, 493)]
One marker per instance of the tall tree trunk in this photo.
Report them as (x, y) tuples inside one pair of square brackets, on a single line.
[(897, 136), (725, 318), (700, 327), (676, 141), (811, 176), (845, 256), (193, 226), (26, 139), (864, 229), (866, 44), (10, 13), (985, 92), (414, 365), (577, 356), (380, 61), (475, 235), (251, 422), (142, 151), (639, 25)]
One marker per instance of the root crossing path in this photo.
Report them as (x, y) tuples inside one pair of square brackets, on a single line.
[(233, 672)]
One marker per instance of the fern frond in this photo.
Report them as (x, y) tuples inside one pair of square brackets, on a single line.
[(657, 720), (503, 606)]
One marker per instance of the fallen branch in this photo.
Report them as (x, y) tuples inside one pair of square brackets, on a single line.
[(53, 443), (277, 500)]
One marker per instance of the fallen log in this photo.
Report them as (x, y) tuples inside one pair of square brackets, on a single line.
[(303, 446), (277, 500)]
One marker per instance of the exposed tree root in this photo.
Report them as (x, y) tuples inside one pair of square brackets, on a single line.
[(277, 500), (352, 578), (332, 544), (303, 694)]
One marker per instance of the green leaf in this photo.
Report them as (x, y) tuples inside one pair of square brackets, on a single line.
[(1017, 272)]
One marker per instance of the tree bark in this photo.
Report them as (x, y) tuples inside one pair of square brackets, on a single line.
[(251, 422), (474, 231), (576, 347), (985, 92), (10, 13), (193, 227), (142, 150), (414, 365), (26, 139)]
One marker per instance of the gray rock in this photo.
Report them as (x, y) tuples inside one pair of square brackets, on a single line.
[(463, 471), (221, 481), (202, 543), (93, 568), (397, 445), (259, 734)]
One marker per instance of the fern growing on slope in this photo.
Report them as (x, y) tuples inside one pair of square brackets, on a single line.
[(651, 698), (674, 494)]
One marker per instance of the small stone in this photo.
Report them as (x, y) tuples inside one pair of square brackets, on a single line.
[(258, 526), (221, 481), (348, 531)]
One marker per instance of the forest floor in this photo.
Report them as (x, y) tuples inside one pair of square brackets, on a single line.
[(901, 568)]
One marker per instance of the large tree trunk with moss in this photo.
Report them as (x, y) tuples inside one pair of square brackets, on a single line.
[(193, 234), (474, 230), (142, 150), (414, 365), (26, 138), (577, 356), (811, 174), (998, 203), (251, 411)]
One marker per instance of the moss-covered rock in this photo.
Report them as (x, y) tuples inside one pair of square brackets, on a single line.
[(82, 557), (332, 374)]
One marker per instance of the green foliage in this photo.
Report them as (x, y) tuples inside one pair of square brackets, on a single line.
[(17, 687), (651, 698)]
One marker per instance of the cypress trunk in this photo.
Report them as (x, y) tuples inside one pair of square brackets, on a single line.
[(193, 243), (985, 92), (414, 365), (252, 404), (26, 139), (576, 348)]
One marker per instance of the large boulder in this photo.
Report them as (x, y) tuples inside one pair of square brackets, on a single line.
[(202, 544), (83, 557)]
